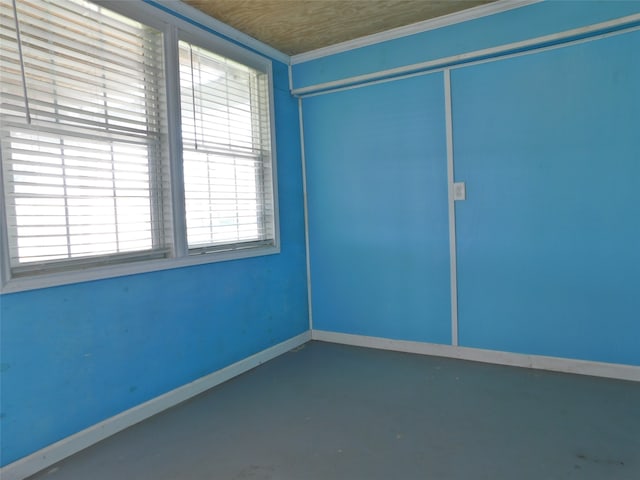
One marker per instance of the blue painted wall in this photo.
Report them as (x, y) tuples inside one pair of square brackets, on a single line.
[(548, 257), (548, 262), (516, 25), (377, 191), (74, 355), (549, 146)]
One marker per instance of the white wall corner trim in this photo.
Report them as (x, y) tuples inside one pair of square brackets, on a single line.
[(453, 269), (537, 362), (305, 204), (418, 27), (66, 447), (182, 9)]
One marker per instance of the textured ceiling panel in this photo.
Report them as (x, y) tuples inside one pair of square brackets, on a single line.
[(297, 26)]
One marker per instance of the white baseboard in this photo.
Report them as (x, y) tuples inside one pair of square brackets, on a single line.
[(66, 447), (539, 362)]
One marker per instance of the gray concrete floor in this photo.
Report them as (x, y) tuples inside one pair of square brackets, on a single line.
[(329, 412)]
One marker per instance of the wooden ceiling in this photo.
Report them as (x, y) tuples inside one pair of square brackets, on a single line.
[(298, 26)]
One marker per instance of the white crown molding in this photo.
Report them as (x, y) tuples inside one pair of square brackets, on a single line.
[(66, 447), (180, 9), (419, 27), (536, 362)]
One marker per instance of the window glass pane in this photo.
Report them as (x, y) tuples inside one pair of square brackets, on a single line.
[(83, 168), (226, 150)]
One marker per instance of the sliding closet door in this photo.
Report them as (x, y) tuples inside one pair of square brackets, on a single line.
[(549, 236), (377, 191)]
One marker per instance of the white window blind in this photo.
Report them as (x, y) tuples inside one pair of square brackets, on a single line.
[(121, 157), (226, 152), (84, 173)]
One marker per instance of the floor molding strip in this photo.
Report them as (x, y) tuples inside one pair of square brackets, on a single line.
[(66, 447), (538, 362)]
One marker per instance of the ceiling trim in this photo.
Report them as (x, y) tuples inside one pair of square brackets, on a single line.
[(419, 27), (202, 20)]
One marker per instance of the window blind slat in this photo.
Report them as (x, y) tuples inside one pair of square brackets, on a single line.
[(78, 12), (77, 86), (82, 133), (82, 53)]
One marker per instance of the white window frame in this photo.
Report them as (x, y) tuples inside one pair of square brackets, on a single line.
[(173, 29)]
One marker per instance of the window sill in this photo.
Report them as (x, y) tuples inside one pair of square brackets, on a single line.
[(35, 282)]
